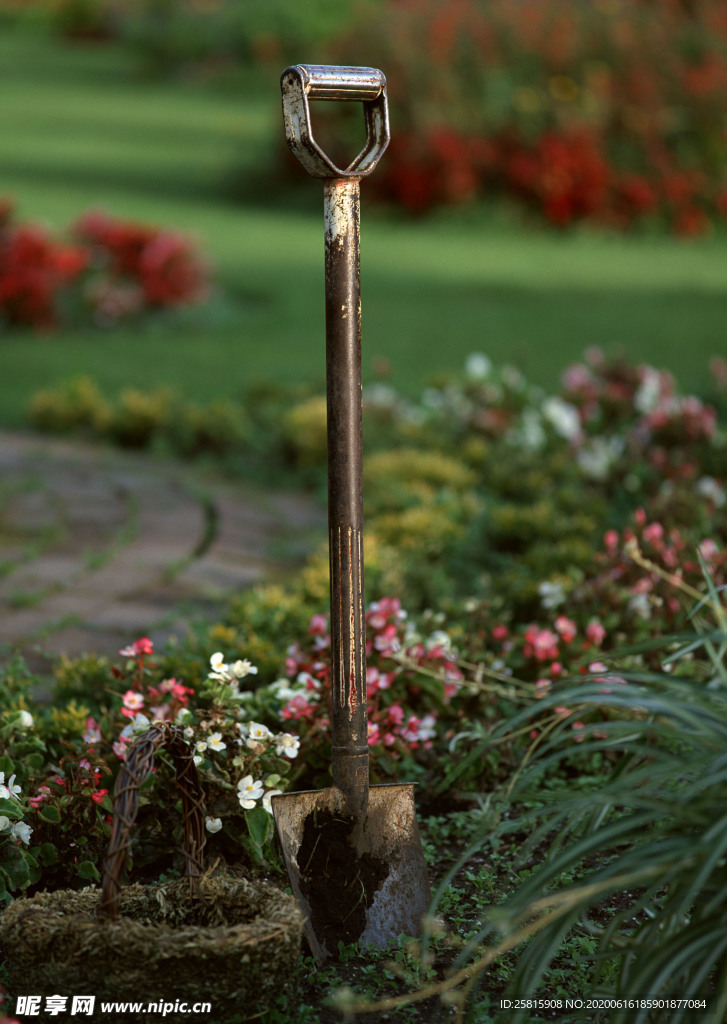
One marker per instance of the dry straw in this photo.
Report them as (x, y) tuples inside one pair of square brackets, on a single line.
[(211, 938)]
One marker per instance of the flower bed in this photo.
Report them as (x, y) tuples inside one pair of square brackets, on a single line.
[(107, 272), (580, 111)]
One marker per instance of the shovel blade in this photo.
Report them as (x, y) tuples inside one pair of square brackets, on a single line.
[(354, 881)]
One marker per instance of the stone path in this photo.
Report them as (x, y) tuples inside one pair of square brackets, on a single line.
[(99, 547)]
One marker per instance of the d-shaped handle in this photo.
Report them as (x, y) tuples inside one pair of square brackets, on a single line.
[(302, 82)]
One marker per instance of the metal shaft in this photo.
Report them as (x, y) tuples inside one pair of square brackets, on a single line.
[(345, 492)]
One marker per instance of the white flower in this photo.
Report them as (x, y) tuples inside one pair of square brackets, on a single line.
[(139, 723), (708, 488), (249, 791), (215, 741), (23, 831), (530, 433), (596, 458), (267, 799), (213, 824), (287, 745), (244, 668), (200, 746), (198, 759), (477, 366), (647, 397), (4, 822), (217, 661), (23, 719), (563, 417), (640, 606), (189, 732), (552, 595), (9, 790), (281, 688), (257, 734)]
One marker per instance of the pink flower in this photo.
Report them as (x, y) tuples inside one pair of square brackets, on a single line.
[(138, 649), (318, 625), (99, 795), (708, 550), (595, 632), (610, 539), (42, 794), (566, 628), (579, 727), (396, 714), (132, 702), (541, 644), (373, 734), (298, 707), (500, 633), (654, 534), (93, 732)]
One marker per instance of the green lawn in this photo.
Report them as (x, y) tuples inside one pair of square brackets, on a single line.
[(79, 128)]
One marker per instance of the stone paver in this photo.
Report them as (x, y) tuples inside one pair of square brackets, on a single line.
[(98, 547)]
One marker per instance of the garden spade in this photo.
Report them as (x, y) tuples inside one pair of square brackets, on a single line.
[(353, 852)]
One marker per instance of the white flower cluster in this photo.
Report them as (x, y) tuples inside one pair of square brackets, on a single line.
[(18, 829), (250, 790), (230, 673)]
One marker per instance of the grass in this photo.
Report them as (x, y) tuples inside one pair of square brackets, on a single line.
[(81, 129)]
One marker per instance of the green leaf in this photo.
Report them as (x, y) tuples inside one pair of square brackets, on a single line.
[(47, 854), (50, 814), (15, 868), (6, 765), (34, 761), (11, 808), (259, 825), (87, 869)]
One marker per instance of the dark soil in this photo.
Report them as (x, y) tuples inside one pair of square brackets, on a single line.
[(337, 883)]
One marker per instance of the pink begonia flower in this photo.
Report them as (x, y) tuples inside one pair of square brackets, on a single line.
[(298, 707), (373, 733), (708, 550), (611, 539), (93, 732), (542, 687), (372, 679), (99, 795), (119, 748), (139, 647), (500, 633), (654, 534), (579, 727), (566, 627), (318, 625), (595, 632), (597, 666), (556, 669), (133, 700), (396, 714), (541, 644), (42, 794), (562, 711)]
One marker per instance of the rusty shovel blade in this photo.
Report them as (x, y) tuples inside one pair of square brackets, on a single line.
[(354, 881)]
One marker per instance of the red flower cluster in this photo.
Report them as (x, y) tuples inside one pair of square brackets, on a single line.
[(112, 270), (581, 111), (33, 269)]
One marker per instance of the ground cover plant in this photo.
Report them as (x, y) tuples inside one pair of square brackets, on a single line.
[(561, 704)]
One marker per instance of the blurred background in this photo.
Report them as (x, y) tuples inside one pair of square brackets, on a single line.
[(557, 180)]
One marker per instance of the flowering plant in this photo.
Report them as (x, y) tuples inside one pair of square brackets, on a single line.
[(112, 270), (605, 112)]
